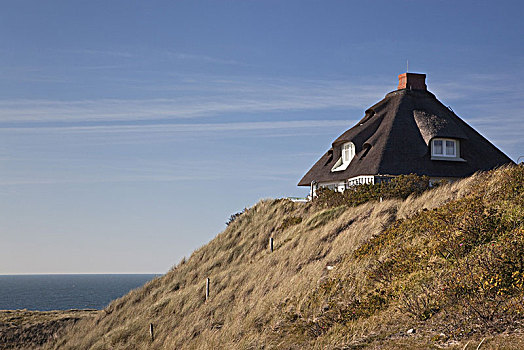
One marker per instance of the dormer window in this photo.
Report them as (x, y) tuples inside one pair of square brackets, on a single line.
[(348, 152), (445, 149)]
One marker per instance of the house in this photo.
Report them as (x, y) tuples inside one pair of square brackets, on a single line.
[(409, 131)]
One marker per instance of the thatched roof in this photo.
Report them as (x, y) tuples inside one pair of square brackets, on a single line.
[(394, 138)]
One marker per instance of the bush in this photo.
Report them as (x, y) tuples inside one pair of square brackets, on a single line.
[(290, 221), (399, 187), (235, 216), (488, 285), (460, 265)]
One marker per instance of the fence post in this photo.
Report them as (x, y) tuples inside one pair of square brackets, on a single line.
[(207, 289), (151, 332), (271, 244)]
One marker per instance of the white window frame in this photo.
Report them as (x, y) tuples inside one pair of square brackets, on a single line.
[(444, 153), (347, 151)]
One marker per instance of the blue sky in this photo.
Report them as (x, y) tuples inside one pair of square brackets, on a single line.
[(130, 131)]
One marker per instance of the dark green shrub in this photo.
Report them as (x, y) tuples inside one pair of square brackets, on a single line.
[(399, 187), (329, 198), (290, 221), (404, 185), (235, 216)]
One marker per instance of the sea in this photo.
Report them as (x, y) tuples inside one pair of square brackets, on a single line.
[(64, 292)]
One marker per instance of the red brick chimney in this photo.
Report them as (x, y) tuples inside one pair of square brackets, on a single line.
[(412, 81)]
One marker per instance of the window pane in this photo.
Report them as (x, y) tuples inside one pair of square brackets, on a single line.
[(347, 152), (450, 148), (437, 146)]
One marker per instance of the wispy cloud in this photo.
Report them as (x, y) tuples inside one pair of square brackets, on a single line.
[(97, 179), (203, 58), (157, 53), (138, 56), (130, 178), (203, 96), (479, 88), (193, 127), (81, 171), (491, 103), (96, 52), (210, 98)]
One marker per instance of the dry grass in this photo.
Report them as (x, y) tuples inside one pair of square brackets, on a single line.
[(254, 291), (23, 329)]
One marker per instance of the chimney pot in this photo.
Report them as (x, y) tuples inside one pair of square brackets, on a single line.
[(412, 81)]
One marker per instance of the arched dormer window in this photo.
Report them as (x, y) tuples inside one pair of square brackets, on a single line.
[(348, 152)]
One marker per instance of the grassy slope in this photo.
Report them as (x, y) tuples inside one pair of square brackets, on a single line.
[(290, 299)]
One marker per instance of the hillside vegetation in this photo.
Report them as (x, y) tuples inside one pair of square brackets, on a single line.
[(448, 264), (25, 329)]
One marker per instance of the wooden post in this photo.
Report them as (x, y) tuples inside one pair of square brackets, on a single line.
[(207, 289), (271, 244), (151, 332)]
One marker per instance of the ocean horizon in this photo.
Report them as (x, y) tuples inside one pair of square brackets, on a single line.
[(46, 292)]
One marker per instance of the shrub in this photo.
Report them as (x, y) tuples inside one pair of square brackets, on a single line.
[(420, 297), (290, 221), (462, 263), (405, 185), (235, 216), (399, 187), (488, 285)]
